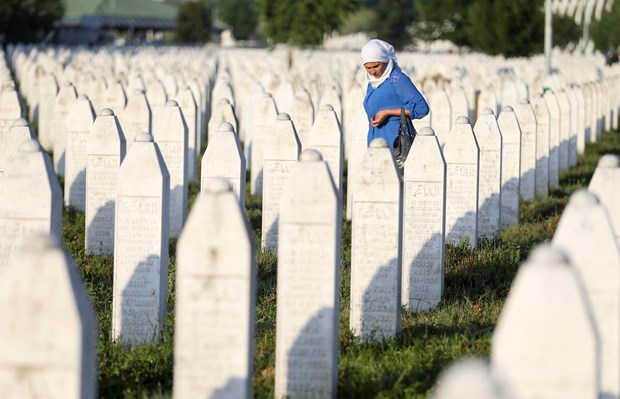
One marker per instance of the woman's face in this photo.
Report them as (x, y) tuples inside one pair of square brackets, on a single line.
[(375, 69)]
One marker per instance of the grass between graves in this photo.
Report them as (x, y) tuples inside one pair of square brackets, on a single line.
[(476, 285)]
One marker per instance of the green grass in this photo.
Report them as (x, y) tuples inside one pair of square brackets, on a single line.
[(476, 285)]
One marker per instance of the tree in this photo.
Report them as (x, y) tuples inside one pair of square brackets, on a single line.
[(443, 19), (241, 15), (394, 21), (513, 29), (302, 22), (606, 32), (28, 21), (565, 31), (194, 22)]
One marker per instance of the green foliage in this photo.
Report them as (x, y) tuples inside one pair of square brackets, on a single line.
[(606, 33), (362, 20), (477, 283), (565, 31), (443, 19), (394, 21), (28, 21), (302, 22), (194, 22), (513, 29), (241, 15)]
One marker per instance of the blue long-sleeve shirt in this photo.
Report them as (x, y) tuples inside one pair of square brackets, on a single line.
[(396, 92)]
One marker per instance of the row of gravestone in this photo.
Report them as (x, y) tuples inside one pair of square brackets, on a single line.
[(559, 332)]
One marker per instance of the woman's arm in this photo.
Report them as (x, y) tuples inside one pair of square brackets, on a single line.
[(413, 101), (384, 114)]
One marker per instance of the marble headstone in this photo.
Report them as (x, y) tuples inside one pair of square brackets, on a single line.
[(326, 137), (511, 166), (527, 123), (605, 183), (10, 140)]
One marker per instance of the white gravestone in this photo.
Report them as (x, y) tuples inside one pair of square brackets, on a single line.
[(302, 114), (461, 153), (605, 183), (136, 117), (467, 379), (488, 99), (34, 202), (555, 124), (575, 124), (565, 128), (424, 223), (308, 283), (489, 139), (141, 236), (265, 113), (105, 150), (581, 119), (79, 123), (511, 167), (65, 97), (282, 150), (441, 115), (48, 90), (224, 113), (224, 159), (10, 109), (527, 123), (10, 141), (589, 103), (543, 131), (376, 256), (114, 97), (587, 236), (326, 137), (170, 134), (358, 144), (215, 299), (48, 330), (545, 345), (188, 105)]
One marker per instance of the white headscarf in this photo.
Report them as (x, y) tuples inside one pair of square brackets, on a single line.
[(379, 51)]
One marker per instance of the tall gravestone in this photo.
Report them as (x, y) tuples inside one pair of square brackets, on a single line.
[(141, 236), (543, 131), (308, 283), (326, 137), (282, 149), (189, 107), (10, 109), (80, 121), (581, 119), (105, 150), (555, 124), (10, 141), (265, 113), (545, 345), (565, 128), (424, 223), (587, 236), (511, 167), (605, 183), (358, 142), (115, 97), (302, 114), (48, 89), (575, 124), (224, 159), (136, 117), (489, 140), (214, 327), (441, 115), (224, 113), (33, 204), (527, 123), (48, 330), (170, 134), (64, 99), (461, 153), (376, 256)]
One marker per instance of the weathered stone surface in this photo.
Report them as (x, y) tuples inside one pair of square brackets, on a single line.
[(555, 124), (605, 183), (265, 114), (326, 137), (11, 139), (65, 97), (527, 123), (543, 131), (511, 166)]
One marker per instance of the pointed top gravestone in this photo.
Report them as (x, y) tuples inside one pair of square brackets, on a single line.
[(308, 282), (543, 131), (189, 107), (326, 137), (65, 97), (511, 167), (10, 109), (10, 141), (489, 139), (105, 150), (441, 115), (587, 236), (555, 124), (527, 123), (424, 223), (461, 153), (376, 246), (565, 127), (545, 344), (265, 113), (34, 202), (48, 330), (214, 328), (136, 117)]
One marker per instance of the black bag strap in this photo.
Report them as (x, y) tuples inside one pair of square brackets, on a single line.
[(403, 122)]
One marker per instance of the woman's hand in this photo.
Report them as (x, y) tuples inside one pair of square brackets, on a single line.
[(381, 117)]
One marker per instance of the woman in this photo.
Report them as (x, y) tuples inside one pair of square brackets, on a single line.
[(389, 90)]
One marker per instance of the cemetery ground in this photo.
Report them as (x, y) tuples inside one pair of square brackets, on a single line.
[(477, 283)]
